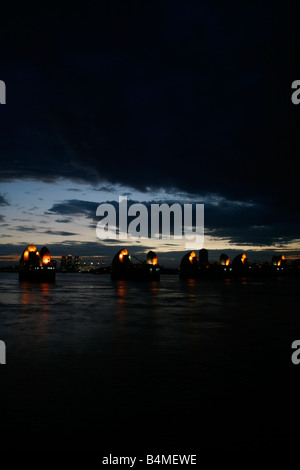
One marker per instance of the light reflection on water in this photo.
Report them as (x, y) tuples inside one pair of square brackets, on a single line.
[(88, 310), (196, 348)]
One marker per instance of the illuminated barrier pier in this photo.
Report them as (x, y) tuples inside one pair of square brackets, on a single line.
[(36, 266), (122, 267)]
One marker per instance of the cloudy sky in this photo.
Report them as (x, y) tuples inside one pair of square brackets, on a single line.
[(186, 102)]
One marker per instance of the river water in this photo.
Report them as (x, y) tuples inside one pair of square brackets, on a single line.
[(169, 365)]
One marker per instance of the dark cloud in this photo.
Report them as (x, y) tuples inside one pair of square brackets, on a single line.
[(172, 95), (3, 201), (63, 221), (193, 96), (109, 188), (60, 233), (23, 228), (74, 207), (262, 236), (258, 223)]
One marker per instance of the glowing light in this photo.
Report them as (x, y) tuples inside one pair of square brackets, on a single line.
[(154, 261), (26, 255), (192, 256), (227, 262), (31, 248), (46, 258), (244, 258), (122, 254)]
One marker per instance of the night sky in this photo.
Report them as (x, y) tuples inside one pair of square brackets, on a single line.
[(160, 101)]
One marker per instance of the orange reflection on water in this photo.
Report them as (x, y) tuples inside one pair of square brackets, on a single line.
[(45, 296), (27, 295), (191, 283), (154, 288), (122, 292), (36, 295)]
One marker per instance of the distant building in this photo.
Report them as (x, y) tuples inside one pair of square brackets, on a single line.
[(69, 263), (77, 263), (63, 264)]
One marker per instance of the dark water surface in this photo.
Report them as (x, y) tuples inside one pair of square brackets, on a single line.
[(181, 365)]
